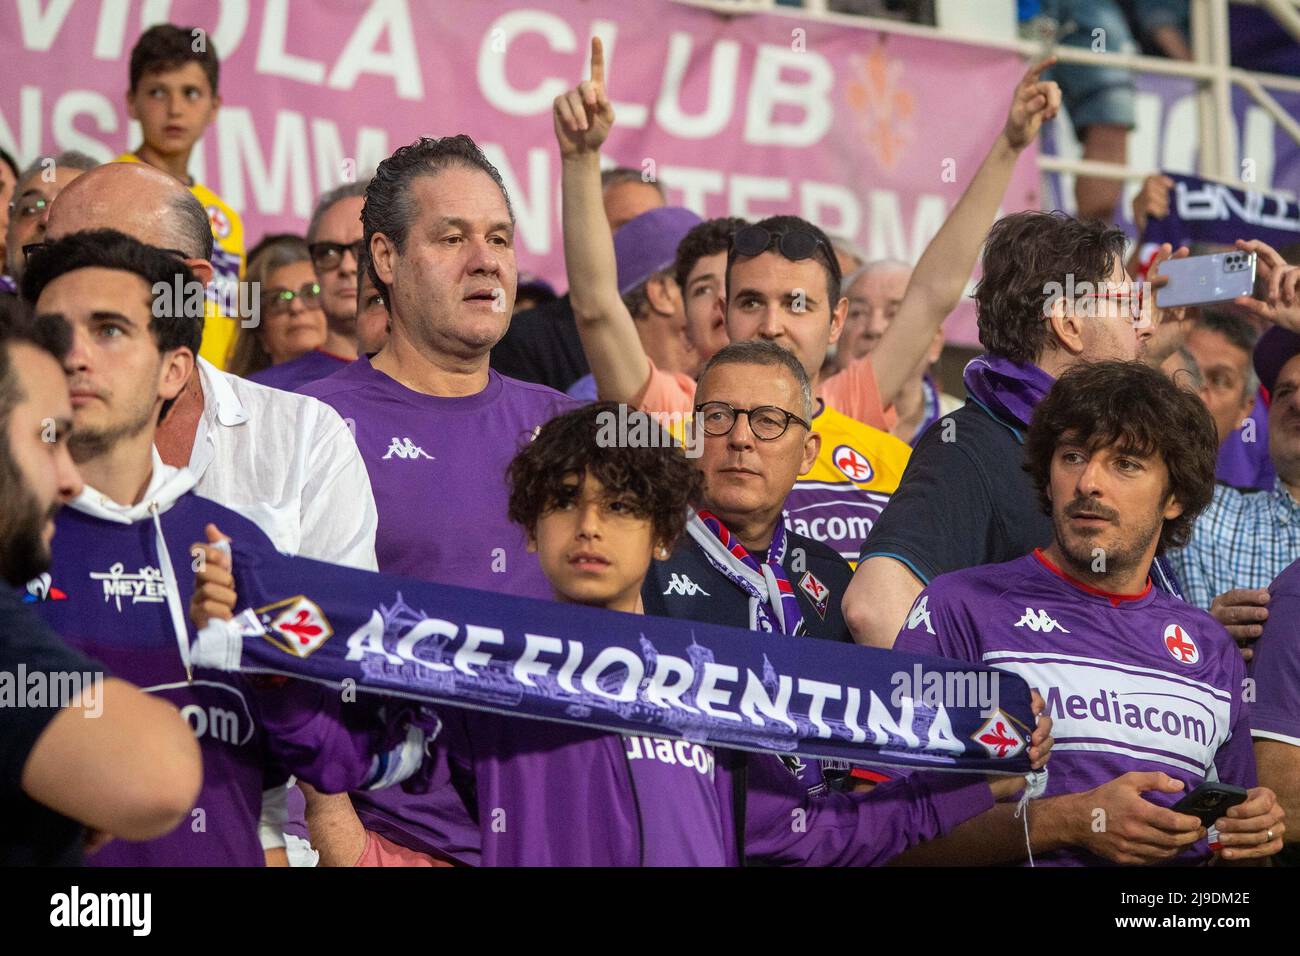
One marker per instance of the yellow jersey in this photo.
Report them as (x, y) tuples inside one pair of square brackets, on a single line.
[(857, 469), (227, 270)]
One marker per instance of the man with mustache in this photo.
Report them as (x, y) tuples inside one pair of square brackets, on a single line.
[(63, 773), (1145, 691)]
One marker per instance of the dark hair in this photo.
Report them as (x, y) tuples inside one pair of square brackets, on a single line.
[(110, 249), (53, 335), (363, 269), (660, 481), (1024, 254), (1240, 334), (167, 47), (626, 174), (771, 355), (1135, 407), (705, 239), (389, 208), (268, 240), (9, 161), (823, 253)]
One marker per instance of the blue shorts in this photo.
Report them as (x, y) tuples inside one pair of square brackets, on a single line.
[(1094, 94)]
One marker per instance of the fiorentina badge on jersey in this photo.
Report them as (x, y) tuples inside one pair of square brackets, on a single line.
[(295, 625), (1180, 645), (816, 591)]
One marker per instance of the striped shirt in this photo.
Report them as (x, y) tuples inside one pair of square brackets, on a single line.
[(1244, 539)]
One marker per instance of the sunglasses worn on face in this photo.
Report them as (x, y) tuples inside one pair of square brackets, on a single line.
[(326, 256)]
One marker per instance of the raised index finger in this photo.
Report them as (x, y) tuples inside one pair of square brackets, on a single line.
[(1032, 75), (597, 61)]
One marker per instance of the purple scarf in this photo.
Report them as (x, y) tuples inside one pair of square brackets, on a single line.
[(1010, 390)]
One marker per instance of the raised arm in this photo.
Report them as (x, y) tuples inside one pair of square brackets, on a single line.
[(583, 118), (940, 277)]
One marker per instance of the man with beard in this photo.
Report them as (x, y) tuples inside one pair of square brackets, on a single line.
[(1144, 690), (124, 547), (132, 772)]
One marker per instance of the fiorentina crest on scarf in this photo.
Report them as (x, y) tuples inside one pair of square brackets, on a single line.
[(616, 672)]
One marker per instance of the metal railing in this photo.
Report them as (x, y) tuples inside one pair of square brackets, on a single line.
[(1211, 69)]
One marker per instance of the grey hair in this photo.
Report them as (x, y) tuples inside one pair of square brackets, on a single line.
[(626, 174), (762, 352), (330, 197), (68, 159), (190, 223), (877, 265)]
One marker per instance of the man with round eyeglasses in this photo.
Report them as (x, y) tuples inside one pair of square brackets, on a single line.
[(739, 564)]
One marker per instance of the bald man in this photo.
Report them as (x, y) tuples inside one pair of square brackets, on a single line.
[(285, 461)]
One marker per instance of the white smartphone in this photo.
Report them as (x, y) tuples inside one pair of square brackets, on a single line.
[(1199, 280)]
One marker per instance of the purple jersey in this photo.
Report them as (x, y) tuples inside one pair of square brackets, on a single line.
[(1136, 683), (294, 374), (107, 595), (681, 816), (438, 470)]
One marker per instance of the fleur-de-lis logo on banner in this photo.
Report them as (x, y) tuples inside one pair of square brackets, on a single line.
[(884, 108)]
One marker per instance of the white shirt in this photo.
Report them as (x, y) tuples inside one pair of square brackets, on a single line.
[(288, 463)]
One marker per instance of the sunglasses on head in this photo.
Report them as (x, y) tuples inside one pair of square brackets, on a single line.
[(794, 245)]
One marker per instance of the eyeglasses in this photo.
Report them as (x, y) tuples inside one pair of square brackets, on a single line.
[(767, 422), (27, 207), (1134, 297), (326, 256), (794, 245), (279, 301)]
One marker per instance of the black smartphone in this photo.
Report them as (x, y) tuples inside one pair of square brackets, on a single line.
[(1210, 801)]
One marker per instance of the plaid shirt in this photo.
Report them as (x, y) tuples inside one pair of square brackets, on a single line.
[(1244, 539)]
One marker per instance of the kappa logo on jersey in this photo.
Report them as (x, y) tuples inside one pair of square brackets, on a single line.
[(1180, 645), (300, 626), (407, 449), (219, 221), (999, 737), (144, 587), (819, 592), (853, 463), (41, 588), (919, 614), (1040, 621), (683, 585)]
